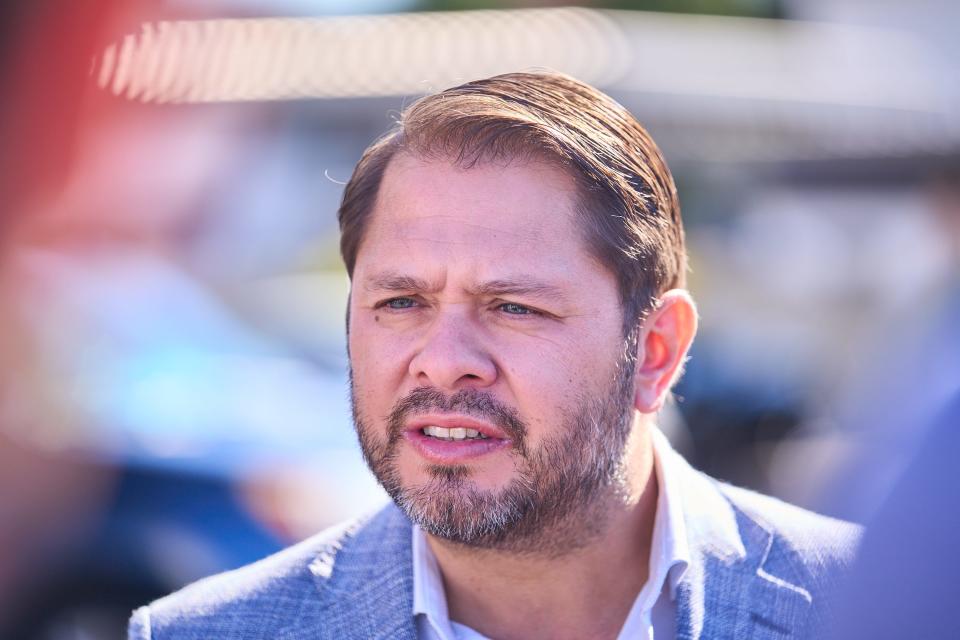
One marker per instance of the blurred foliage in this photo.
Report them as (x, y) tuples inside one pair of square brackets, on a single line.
[(745, 8)]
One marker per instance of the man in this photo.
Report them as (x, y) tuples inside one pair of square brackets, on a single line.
[(516, 320)]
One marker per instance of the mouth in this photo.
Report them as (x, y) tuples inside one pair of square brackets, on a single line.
[(453, 434), (454, 439)]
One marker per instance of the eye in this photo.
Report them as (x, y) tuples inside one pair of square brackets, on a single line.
[(514, 309), (398, 303)]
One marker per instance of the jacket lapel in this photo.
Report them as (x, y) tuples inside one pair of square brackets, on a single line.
[(364, 584), (726, 591)]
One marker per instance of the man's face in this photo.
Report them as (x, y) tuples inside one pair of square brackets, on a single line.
[(491, 386)]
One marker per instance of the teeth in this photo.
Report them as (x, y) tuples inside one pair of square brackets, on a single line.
[(456, 433)]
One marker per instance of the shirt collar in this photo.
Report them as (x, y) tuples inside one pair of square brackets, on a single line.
[(669, 550), (429, 598)]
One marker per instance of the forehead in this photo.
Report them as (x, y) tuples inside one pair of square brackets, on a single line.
[(519, 213)]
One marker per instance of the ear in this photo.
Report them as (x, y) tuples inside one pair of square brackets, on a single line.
[(664, 339)]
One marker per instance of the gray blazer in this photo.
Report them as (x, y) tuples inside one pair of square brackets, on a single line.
[(760, 568)]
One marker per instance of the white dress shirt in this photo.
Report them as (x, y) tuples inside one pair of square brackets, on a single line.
[(653, 614)]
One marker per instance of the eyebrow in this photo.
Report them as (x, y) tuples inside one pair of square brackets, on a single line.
[(517, 286), (522, 286), (391, 281)]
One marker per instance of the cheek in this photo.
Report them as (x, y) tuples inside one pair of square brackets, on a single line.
[(548, 378), (543, 378), (379, 358), (559, 361)]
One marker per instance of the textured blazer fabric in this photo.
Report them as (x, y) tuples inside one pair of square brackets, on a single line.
[(760, 568)]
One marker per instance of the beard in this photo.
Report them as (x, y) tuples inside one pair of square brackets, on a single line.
[(562, 490)]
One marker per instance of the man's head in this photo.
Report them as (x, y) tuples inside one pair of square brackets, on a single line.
[(514, 247), (626, 198)]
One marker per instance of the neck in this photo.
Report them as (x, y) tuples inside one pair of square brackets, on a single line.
[(584, 593)]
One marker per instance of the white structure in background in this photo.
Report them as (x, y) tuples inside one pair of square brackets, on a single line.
[(798, 90)]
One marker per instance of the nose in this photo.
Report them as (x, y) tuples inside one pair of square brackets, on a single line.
[(452, 356)]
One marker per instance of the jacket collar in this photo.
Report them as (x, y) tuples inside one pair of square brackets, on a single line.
[(726, 591)]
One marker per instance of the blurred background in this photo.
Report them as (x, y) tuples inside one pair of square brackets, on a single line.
[(173, 395)]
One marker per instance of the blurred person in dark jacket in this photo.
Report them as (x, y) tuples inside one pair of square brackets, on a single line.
[(905, 582), (517, 318)]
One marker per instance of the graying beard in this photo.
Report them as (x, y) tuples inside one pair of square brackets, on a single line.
[(543, 516)]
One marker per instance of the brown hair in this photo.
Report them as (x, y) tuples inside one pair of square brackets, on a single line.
[(628, 199)]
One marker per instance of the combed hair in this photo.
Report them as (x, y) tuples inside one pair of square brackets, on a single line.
[(627, 198)]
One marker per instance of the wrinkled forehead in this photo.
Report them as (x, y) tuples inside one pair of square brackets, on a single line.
[(518, 205), (517, 216)]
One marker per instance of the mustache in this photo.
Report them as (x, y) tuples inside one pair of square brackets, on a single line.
[(471, 402)]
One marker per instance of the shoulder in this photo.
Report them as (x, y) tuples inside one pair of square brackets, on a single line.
[(735, 522), (254, 601), (818, 541), (811, 551)]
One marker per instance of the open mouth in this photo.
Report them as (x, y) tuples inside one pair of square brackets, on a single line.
[(454, 439), (452, 434)]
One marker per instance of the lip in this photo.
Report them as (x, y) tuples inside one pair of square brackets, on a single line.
[(454, 452)]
